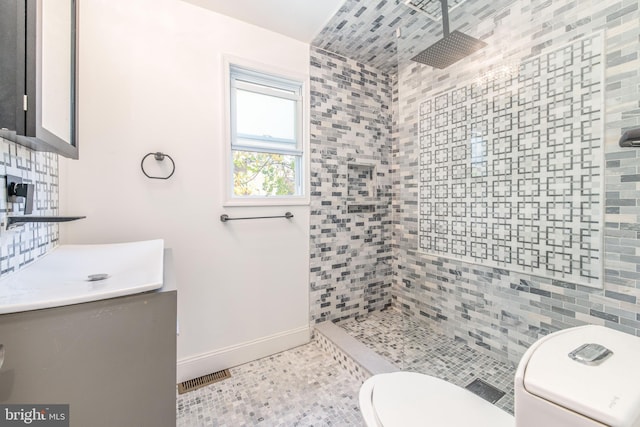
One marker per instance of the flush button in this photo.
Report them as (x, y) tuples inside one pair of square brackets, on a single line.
[(590, 354)]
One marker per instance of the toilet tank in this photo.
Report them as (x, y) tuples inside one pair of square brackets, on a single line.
[(580, 377)]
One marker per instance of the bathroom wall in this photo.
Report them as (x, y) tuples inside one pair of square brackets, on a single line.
[(367, 32), (152, 79), (22, 245), (351, 131), (503, 310)]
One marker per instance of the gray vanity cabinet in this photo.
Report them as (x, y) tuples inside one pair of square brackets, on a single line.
[(112, 361)]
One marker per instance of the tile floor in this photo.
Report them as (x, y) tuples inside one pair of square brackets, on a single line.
[(413, 345), (304, 386)]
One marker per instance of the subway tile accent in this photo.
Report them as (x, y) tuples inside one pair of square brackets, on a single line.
[(350, 188), (506, 311), (367, 31), (499, 312)]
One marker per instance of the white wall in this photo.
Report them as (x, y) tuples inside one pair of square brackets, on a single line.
[(151, 79)]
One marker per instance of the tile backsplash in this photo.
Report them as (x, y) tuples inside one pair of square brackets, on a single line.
[(24, 244)]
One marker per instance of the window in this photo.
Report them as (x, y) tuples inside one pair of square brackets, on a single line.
[(266, 120)]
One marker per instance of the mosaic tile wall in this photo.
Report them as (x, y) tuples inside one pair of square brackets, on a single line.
[(23, 245), (511, 167), (432, 8), (498, 311), (350, 188), (365, 30), (495, 310), (343, 359)]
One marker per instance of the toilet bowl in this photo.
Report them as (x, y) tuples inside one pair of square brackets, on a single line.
[(579, 377)]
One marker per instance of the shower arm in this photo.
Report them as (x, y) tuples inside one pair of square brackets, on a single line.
[(445, 18)]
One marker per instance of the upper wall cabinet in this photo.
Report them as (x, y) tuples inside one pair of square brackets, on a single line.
[(38, 74)]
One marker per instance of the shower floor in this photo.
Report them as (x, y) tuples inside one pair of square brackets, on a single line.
[(416, 346)]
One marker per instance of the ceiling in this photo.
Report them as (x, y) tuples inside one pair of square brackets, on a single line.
[(298, 19), (385, 33), (379, 33)]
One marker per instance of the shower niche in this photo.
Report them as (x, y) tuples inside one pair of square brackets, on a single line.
[(361, 194)]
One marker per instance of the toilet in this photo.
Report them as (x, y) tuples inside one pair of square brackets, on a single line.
[(587, 376)]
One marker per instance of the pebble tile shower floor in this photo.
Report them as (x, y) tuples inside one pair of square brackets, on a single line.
[(304, 386)]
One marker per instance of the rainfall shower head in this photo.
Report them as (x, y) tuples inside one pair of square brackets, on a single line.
[(451, 48), (448, 50)]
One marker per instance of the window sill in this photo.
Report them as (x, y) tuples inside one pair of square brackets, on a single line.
[(267, 201)]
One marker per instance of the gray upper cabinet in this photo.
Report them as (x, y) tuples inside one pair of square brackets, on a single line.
[(38, 74)]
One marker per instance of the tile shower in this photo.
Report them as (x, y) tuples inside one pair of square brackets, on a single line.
[(546, 211), (351, 124)]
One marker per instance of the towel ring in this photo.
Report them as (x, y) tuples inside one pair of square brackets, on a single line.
[(159, 157)]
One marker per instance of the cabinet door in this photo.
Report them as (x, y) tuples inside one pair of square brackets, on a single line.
[(38, 74), (112, 361), (12, 65)]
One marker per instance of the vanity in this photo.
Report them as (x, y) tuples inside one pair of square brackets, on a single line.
[(110, 353)]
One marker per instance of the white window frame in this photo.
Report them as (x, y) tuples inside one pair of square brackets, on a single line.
[(266, 75)]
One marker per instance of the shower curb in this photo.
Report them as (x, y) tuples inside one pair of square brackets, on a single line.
[(358, 359)]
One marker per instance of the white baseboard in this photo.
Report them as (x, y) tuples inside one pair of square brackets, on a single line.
[(224, 358)]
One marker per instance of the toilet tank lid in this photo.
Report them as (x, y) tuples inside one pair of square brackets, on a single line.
[(607, 392)]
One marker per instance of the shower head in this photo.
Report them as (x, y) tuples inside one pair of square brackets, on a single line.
[(451, 48), (448, 50)]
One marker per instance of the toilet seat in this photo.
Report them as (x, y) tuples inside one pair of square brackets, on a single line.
[(407, 399)]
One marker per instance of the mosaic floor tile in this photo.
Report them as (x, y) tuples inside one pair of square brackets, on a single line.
[(416, 346), (303, 386)]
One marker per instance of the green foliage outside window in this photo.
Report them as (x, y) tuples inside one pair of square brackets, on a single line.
[(263, 174)]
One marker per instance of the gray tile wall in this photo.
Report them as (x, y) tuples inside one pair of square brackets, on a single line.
[(503, 312), (23, 245), (366, 30), (350, 188), (511, 167), (497, 311)]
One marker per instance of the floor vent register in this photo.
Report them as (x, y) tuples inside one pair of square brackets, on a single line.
[(196, 383)]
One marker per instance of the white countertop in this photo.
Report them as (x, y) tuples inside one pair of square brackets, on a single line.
[(62, 276)]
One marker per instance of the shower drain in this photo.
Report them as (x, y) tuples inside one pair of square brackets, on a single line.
[(196, 383), (485, 391)]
